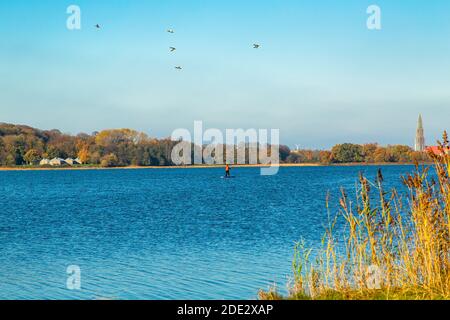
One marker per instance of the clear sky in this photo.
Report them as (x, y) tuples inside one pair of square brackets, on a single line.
[(320, 75)]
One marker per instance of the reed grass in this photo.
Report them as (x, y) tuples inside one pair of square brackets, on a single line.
[(392, 246)]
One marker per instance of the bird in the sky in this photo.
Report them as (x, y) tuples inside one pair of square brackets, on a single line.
[(256, 46), (172, 49), (170, 31), (178, 68), (97, 26)]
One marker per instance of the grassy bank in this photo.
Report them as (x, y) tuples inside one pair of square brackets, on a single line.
[(390, 247)]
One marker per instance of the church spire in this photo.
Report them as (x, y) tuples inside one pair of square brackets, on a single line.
[(420, 137)]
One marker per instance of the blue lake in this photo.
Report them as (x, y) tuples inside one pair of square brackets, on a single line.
[(163, 233)]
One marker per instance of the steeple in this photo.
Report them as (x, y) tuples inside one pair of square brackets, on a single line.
[(420, 137)]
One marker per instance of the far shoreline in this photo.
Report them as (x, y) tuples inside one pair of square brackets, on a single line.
[(281, 165)]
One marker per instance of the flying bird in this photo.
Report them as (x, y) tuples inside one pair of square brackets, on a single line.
[(178, 68), (170, 31), (97, 26), (256, 46), (172, 49)]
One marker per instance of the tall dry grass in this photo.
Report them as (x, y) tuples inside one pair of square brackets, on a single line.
[(392, 247)]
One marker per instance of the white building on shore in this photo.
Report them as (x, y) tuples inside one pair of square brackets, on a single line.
[(44, 162), (73, 162), (57, 162)]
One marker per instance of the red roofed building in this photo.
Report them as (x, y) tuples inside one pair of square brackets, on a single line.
[(437, 150)]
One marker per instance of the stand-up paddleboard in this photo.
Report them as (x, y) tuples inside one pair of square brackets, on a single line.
[(230, 177)]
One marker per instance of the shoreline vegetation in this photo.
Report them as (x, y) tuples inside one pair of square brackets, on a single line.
[(25, 147), (203, 166), (388, 247)]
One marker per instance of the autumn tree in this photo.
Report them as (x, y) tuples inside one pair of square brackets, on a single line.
[(369, 150), (109, 160), (400, 153), (31, 156), (325, 157), (347, 153), (83, 153), (380, 155)]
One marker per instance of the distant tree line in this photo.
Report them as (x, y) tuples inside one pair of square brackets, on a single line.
[(356, 153), (23, 145)]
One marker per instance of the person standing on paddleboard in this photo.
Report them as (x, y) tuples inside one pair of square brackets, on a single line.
[(227, 171)]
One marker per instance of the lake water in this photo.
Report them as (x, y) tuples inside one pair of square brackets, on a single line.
[(164, 233)]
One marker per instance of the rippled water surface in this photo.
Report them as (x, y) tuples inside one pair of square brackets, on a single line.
[(161, 234)]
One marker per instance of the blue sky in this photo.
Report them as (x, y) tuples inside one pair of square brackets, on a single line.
[(320, 75)]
